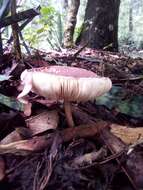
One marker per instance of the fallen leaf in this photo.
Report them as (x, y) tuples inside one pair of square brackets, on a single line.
[(43, 121), (12, 137), (127, 134), (11, 103), (115, 99)]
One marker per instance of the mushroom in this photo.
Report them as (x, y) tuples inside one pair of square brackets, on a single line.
[(64, 83)]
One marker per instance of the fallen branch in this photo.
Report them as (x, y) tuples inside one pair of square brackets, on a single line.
[(80, 50), (38, 143)]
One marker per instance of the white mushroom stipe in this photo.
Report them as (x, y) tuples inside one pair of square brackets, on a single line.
[(64, 83)]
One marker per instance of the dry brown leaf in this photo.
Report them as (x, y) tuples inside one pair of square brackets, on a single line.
[(12, 137), (43, 122), (127, 134)]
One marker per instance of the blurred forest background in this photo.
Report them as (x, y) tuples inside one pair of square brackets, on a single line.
[(46, 31)]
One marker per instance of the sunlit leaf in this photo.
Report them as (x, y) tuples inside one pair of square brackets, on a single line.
[(47, 10)]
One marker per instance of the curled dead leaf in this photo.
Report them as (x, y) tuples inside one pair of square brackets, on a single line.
[(43, 121), (12, 137)]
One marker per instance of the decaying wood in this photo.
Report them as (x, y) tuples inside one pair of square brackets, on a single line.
[(83, 131), (38, 143)]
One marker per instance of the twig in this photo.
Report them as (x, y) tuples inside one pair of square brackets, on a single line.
[(108, 159), (24, 43), (15, 26), (132, 78), (89, 158), (80, 50), (90, 59)]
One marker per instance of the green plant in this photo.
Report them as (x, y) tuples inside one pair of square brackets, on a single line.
[(46, 30)]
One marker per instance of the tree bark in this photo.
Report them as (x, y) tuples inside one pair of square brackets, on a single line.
[(71, 22), (100, 27)]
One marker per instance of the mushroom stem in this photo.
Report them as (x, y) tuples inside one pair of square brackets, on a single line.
[(68, 113)]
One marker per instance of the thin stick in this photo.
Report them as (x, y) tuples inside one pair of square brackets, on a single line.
[(68, 113), (15, 26), (80, 50)]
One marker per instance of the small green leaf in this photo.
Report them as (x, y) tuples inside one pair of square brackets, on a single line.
[(40, 30), (115, 99), (47, 10), (11, 103)]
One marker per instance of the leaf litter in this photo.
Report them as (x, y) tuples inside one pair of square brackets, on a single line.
[(103, 151)]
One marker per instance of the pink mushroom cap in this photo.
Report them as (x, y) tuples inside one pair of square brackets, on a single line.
[(63, 82)]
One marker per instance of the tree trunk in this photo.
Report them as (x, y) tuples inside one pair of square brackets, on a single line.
[(71, 22), (100, 26)]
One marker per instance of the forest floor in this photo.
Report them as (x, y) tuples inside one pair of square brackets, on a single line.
[(104, 150)]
